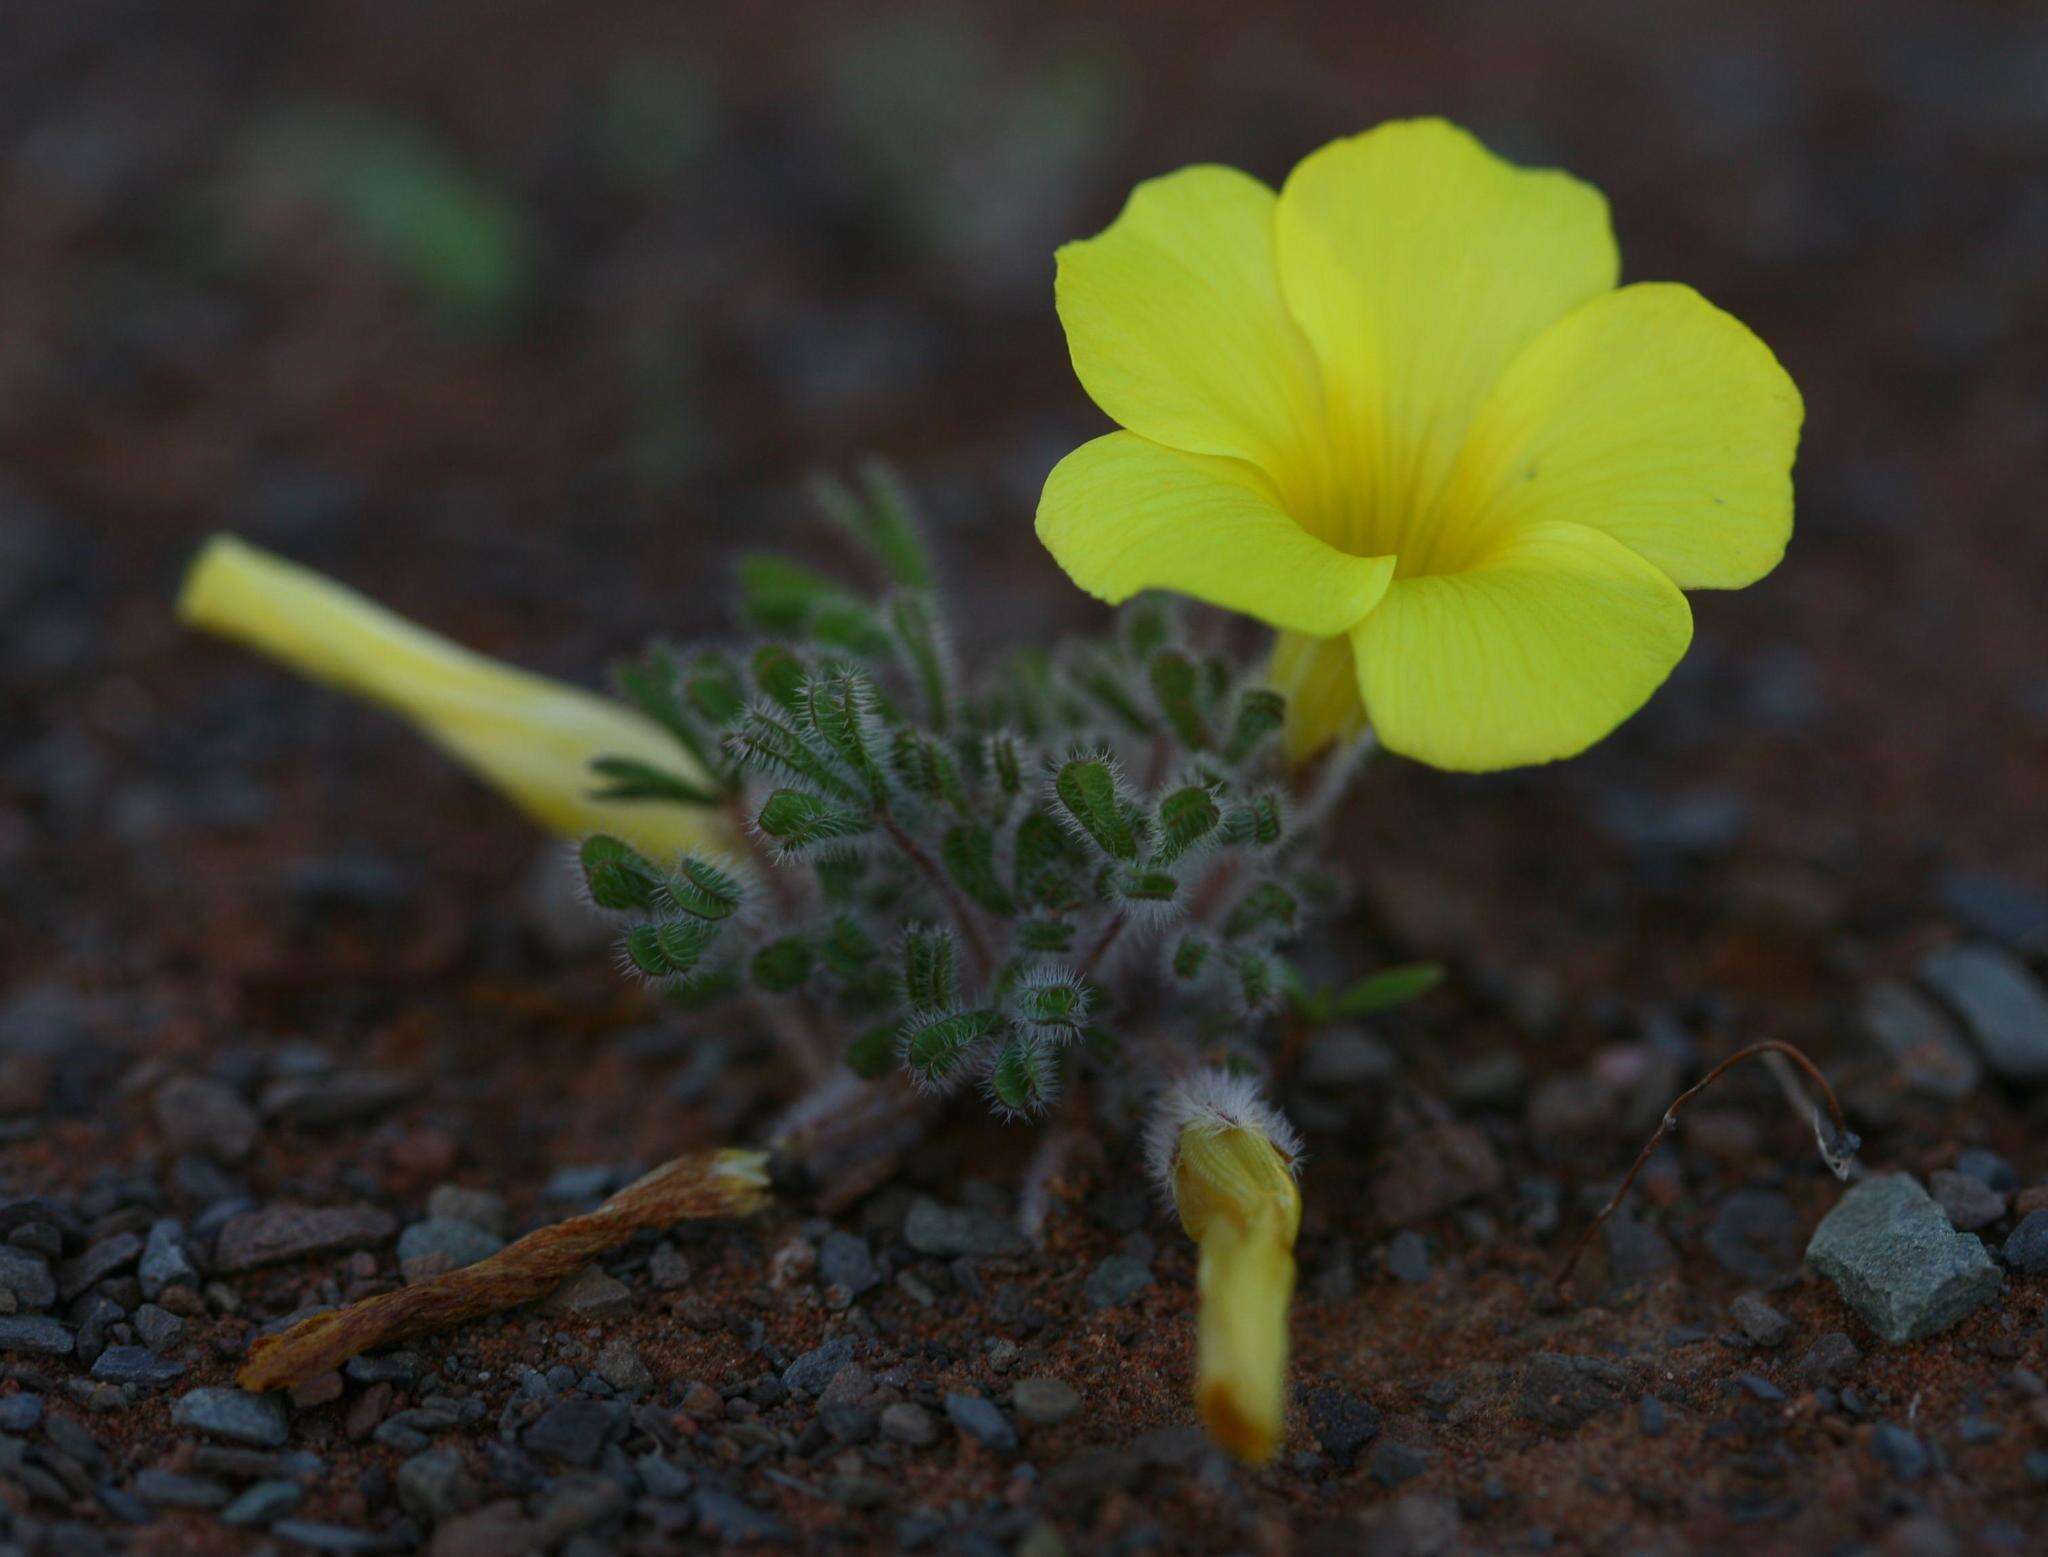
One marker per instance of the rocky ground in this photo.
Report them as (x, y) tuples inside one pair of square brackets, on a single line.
[(291, 1013)]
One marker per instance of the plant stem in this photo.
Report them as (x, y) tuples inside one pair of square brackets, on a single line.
[(962, 912), (1107, 939)]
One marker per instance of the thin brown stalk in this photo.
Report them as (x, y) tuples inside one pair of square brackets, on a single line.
[(1835, 1151), (961, 910), (704, 1184)]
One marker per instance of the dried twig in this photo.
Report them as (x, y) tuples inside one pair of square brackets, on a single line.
[(1837, 1142), (705, 1184)]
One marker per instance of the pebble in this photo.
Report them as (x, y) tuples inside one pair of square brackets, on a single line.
[(1342, 1423), (334, 1097), (232, 1414), (1998, 907), (135, 1365), (592, 1293), (27, 1277), (1756, 1234), (575, 1431), (20, 1413), (1903, 1454), (1988, 1168), (2004, 1009), (1408, 1257), (668, 1268), (818, 1367), (846, 1261), (167, 1489), (1759, 1321), (434, 1486), (1757, 1387), (1892, 1254), (441, 1244), (1636, 1251), (931, 1228), (159, 1328), (1563, 1391), (165, 1262), (341, 1539), (1116, 1280), (1432, 1171), (980, 1420), (1924, 1045), (274, 1234), (1044, 1402), (478, 1207), (1968, 1202), (909, 1423), (619, 1365), (20, 1333), (1653, 1416), (197, 1115), (1394, 1463), (264, 1503), (2026, 1248), (101, 1259)]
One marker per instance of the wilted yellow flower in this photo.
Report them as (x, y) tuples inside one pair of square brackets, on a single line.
[(1226, 1160), (1401, 413), (530, 738)]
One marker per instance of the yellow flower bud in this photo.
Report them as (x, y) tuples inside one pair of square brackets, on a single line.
[(1228, 1162), (527, 737)]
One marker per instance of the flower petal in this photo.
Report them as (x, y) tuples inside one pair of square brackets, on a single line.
[(1537, 651), (1418, 264), (1122, 514), (1651, 416), (1318, 678), (1177, 329)]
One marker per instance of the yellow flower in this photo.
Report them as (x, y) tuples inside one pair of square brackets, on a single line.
[(528, 737), (1226, 1161), (1401, 412)]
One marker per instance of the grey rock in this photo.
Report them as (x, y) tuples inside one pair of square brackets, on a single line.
[(20, 1413), (1044, 1402), (264, 1503), (1756, 1234), (197, 1115), (668, 1268), (27, 1276), (619, 1365), (980, 1420), (909, 1423), (575, 1431), (167, 1489), (1343, 1058), (333, 1098), (1923, 1044), (1969, 1203), (165, 1261), (1418, 1525), (233, 1415), (663, 1478), (592, 1293), (1988, 1169), (847, 1423), (1116, 1280), (846, 1261), (1394, 1463), (27, 1333), (274, 1234), (724, 1517), (931, 1228), (1408, 1257), (434, 1486), (1636, 1251), (478, 1207), (135, 1365), (1342, 1423), (1998, 907), (1759, 1321), (317, 1536), (101, 1259), (159, 1328), (818, 1367), (1757, 1387), (1901, 1452), (441, 1244), (1563, 1391), (1432, 1171), (1829, 1358), (2004, 1009), (1892, 1254), (2026, 1248)]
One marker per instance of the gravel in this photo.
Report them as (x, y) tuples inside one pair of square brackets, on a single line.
[(1563, 1391), (1968, 1202), (441, 1244), (278, 1233), (165, 1261), (1342, 1423), (24, 1333), (1432, 1171), (1759, 1321), (980, 1420), (1756, 1234), (1930, 1055), (1901, 1453), (2003, 1008), (908, 1423), (1890, 1251), (233, 1415), (197, 1115), (1044, 1402), (2026, 1249), (27, 1277), (575, 1431), (264, 1503), (135, 1365), (1116, 1280), (931, 1228), (816, 1368), (846, 1261)]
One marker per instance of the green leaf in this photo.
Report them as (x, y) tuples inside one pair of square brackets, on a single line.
[(1190, 958), (924, 656), (1186, 817), (1146, 627), (634, 780), (780, 596), (1260, 712), (1051, 1000), (1088, 789), (712, 689), (1258, 980), (926, 768), (933, 1047), (1105, 687), (847, 948), (853, 627), (1048, 862), (783, 964), (780, 675), (872, 1054), (1025, 1077), (1256, 822), (1385, 989), (1147, 886), (764, 744), (841, 710), (1175, 684), (669, 948), (928, 960), (881, 521), (1045, 935), (799, 821), (1267, 906), (1004, 764), (703, 890), (619, 876), (969, 852)]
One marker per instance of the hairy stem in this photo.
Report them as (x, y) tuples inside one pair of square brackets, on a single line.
[(961, 910)]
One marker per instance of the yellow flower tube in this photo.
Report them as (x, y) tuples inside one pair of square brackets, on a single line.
[(530, 738), (1226, 1160)]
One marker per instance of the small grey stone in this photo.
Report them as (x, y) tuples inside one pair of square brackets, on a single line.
[(321, 1537), (663, 1478), (1923, 1044), (1044, 1402), (1342, 1423), (1759, 1321), (1394, 1463), (1833, 1355), (1988, 1169), (2001, 907), (197, 1115), (909, 1423), (619, 1365), (24, 1333), (1757, 1387), (575, 1431), (979, 1419), (1903, 1454), (434, 1486), (1432, 1171), (441, 1244), (931, 1228), (20, 1413), (818, 1367), (234, 1415), (336, 1097), (668, 1267), (1115, 1281), (592, 1293), (159, 1328), (264, 1502), (1756, 1235), (167, 1489), (1408, 1257), (1342, 1058), (135, 1365), (1969, 1202), (730, 1519), (1654, 1416), (1892, 1254), (2026, 1248), (100, 1260), (847, 1423), (1636, 1252), (165, 1262), (27, 1276), (2004, 1009), (1563, 1391), (283, 1232), (478, 1207), (846, 1261)]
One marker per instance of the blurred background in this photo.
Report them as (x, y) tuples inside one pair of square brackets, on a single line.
[(523, 316)]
